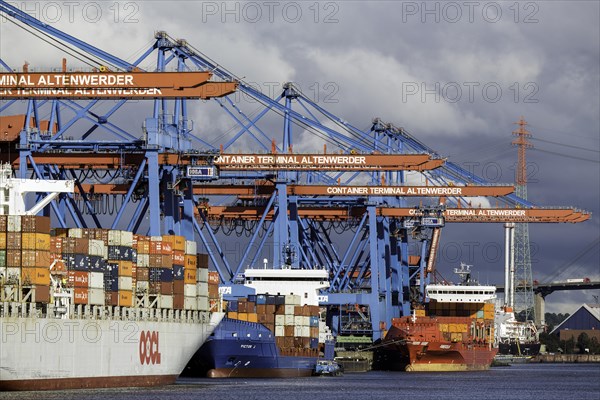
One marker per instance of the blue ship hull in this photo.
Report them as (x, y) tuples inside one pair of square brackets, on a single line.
[(243, 349)]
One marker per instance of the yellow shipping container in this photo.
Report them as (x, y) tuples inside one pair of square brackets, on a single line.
[(35, 241), (35, 276), (232, 315), (242, 316), (125, 298), (456, 337), (189, 276), (190, 261), (3, 240), (420, 313), (125, 268), (252, 317), (443, 327), (177, 242)]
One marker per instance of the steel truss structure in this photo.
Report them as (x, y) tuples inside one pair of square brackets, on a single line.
[(379, 248)]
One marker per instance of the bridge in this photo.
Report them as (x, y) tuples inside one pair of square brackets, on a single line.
[(542, 290)]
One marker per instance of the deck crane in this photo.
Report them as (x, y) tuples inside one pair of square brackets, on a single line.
[(347, 220)]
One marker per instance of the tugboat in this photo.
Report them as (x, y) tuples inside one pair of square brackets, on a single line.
[(453, 332)]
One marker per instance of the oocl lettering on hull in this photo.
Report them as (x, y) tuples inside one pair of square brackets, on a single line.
[(148, 348)]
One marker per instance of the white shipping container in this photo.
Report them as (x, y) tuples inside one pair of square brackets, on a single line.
[(202, 289), (126, 238), (76, 233), (125, 283), (155, 238), (13, 223), (289, 320), (202, 303), (289, 309), (96, 297), (114, 238), (190, 303), (190, 247), (298, 331), (280, 320), (305, 331), (279, 331), (142, 286), (97, 248), (305, 321), (143, 260), (296, 300), (13, 273), (96, 280), (202, 274), (298, 319), (165, 301), (189, 290)]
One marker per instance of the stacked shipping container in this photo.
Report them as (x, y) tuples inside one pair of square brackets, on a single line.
[(295, 327), (102, 266), (25, 253)]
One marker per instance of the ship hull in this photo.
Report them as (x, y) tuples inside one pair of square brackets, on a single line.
[(403, 353), (52, 354), (525, 349), (227, 356)]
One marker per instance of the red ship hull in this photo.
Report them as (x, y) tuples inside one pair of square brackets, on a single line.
[(420, 345)]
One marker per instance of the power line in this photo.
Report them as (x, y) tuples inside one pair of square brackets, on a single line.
[(566, 155), (565, 145)]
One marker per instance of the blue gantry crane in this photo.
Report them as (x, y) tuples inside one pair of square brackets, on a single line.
[(290, 181)]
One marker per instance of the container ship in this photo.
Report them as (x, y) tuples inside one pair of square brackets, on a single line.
[(453, 332), (515, 338), (89, 308), (276, 333)]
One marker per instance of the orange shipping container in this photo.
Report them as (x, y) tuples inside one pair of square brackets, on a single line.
[(2, 240), (125, 298), (80, 295), (156, 247), (35, 276)]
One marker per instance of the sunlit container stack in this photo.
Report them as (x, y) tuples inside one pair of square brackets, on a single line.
[(25, 253), (103, 267)]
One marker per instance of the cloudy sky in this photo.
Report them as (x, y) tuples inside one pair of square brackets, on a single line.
[(457, 75)]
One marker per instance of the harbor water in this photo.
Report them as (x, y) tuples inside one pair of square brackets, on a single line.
[(518, 382)]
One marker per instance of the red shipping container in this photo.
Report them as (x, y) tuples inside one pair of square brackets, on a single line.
[(178, 287), (167, 249), (178, 257), (111, 298), (41, 294), (78, 279), (80, 295), (178, 301), (56, 244), (142, 274), (166, 288), (156, 247), (213, 277)]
